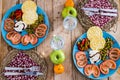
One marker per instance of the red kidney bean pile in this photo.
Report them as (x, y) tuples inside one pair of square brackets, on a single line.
[(97, 19), (24, 61)]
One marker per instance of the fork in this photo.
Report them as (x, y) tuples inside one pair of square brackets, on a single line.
[(33, 68), (99, 9), (89, 13), (34, 73)]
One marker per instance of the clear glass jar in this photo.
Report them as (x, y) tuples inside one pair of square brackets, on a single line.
[(70, 23), (57, 42)]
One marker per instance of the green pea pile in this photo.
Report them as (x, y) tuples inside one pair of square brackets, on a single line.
[(107, 47)]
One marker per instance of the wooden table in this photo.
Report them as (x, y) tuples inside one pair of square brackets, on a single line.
[(53, 9)]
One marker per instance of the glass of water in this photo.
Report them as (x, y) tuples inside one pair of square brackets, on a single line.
[(57, 42), (70, 23)]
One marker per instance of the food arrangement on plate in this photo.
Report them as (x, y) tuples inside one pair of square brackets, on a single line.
[(96, 54), (23, 65), (25, 25)]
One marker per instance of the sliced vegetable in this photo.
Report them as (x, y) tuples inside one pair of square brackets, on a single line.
[(40, 31), (106, 65), (82, 63), (81, 59), (25, 39), (14, 37), (16, 15), (83, 44), (104, 69), (88, 70), (92, 69), (33, 39), (9, 25), (110, 63), (10, 35), (96, 71), (114, 54)]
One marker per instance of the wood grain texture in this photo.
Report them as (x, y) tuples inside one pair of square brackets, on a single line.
[(53, 8), (117, 25), (117, 37), (5, 5), (59, 30), (44, 48)]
